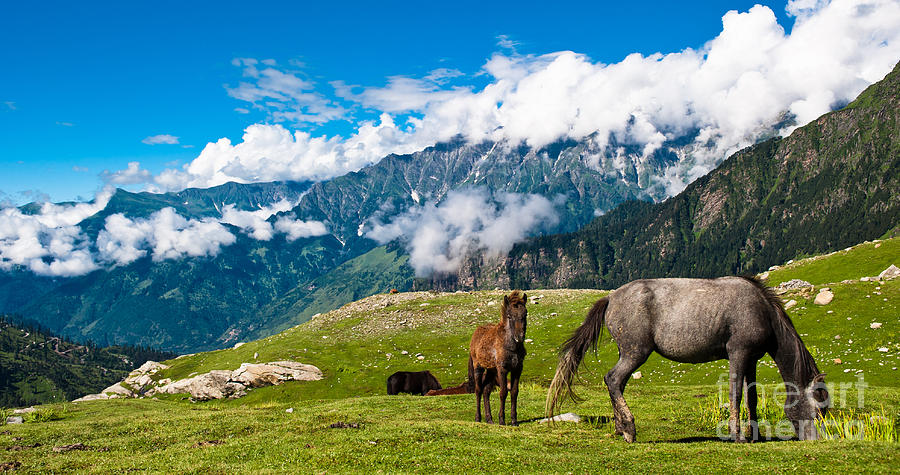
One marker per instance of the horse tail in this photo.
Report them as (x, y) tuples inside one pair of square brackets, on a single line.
[(585, 338), (470, 379)]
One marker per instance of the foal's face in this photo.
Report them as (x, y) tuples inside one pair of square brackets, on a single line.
[(516, 316)]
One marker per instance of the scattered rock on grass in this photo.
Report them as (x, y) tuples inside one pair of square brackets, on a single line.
[(567, 417), (874, 325), (15, 420), (793, 284), (16, 448), (824, 297), (345, 425), (70, 447), (207, 443)]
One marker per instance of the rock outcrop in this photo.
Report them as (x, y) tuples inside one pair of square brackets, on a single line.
[(891, 272), (216, 384), (257, 375)]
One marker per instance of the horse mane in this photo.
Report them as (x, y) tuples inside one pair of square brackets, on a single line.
[(804, 366), (513, 297)]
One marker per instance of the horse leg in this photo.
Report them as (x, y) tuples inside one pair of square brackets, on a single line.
[(514, 397), (503, 377), (752, 399), (487, 403), (737, 364), (615, 382), (479, 388)]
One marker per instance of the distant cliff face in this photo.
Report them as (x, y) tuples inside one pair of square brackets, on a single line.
[(828, 185), (592, 178)]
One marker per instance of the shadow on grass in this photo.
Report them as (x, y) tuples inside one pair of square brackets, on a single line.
[(690, 440)]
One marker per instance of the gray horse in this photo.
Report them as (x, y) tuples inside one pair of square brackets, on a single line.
[(695, 321)]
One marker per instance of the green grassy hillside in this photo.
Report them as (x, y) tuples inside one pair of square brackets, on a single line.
[(360, 344)]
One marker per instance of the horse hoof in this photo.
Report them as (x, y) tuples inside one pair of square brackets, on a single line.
[(629, 437), (740, 440)]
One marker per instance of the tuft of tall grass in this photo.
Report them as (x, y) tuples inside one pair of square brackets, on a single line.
[(873, 426), (47, 414), (4, 413), (714, 411)]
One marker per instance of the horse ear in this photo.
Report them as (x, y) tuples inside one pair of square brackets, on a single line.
[(524, 296), (820, 378), (506, 300)]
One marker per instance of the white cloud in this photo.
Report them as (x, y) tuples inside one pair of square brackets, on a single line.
[(438, 236), (161, 139), (134, 174), (165, 234), (271, 153), (732, 90), (49, 242), (403, 94), (296, 228), (255, 222), (283, 94)]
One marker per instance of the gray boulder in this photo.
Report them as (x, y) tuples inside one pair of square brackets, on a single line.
[(216, 384), (257, 375), (891, 272)]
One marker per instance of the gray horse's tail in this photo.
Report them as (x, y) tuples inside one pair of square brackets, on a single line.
[(585, 338)]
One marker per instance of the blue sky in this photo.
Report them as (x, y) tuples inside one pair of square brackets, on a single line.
[(162, 96), (84, 84)]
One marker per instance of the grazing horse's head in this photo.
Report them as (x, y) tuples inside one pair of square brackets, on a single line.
[(513, 315), (810, 403)]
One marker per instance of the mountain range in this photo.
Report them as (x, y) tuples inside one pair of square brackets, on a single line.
[(830, 183)]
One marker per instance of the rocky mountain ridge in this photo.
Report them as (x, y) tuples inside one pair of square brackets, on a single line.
[(828, 185)]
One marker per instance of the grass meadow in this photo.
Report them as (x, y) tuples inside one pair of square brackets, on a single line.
[(678, 407)]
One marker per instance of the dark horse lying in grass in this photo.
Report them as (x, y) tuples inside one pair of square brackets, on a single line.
[(496, 353), (419, 382), (695, 321)]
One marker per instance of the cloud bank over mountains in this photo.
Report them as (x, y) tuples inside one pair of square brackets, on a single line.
[(439, 236), (732, 90), (726, 95), (51, 243)]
